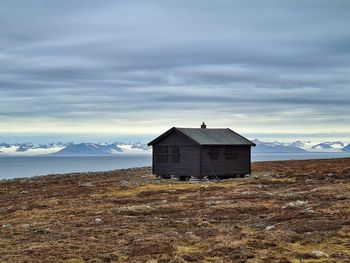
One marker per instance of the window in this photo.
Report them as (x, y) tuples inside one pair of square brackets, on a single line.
[(231, 153), (214, 154), (174, 154), (161, 149), (161, 158), (167, 154)]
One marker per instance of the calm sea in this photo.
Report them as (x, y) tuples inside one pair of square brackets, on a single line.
[(14, 167)]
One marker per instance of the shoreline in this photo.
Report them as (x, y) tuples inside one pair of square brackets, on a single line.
[(78, 174), (142, 167)]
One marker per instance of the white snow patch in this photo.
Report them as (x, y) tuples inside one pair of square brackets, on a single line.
[(129, 149), (12, 151)]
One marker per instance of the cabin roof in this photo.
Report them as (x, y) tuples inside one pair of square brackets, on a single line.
[(204, 136)]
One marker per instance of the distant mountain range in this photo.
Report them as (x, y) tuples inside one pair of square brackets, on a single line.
[(72, 149), (299, 147), (117, 148), (275, 147)]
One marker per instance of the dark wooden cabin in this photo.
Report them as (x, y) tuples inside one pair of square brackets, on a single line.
[(201, 152)]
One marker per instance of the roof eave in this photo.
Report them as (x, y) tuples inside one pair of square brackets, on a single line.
[(160, 136), (168, 132), (250, 142)]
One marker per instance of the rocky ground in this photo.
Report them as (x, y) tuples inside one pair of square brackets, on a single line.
[(287, 211)]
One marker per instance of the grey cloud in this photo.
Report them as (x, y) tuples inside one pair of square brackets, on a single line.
[(93, 60)]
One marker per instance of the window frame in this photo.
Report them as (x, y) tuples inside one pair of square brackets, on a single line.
[(172, 153), (214, 153)]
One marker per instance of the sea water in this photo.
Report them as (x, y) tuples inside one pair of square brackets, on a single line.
[(17, 167)]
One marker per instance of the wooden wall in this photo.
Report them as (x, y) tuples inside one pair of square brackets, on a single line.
[(222, 166), (189, 163)]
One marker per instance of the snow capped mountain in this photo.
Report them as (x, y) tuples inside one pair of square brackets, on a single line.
[(329, 146), (134, 148), (299, 146), (28, 149), (94, 149), (71, 149), (347, 148), (306, 145), (117, 148), (83, 149), (275, 147)]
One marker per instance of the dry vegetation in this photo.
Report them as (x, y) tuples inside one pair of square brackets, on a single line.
[(290, 211)]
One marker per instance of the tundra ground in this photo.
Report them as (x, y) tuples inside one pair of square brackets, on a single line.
[(287, 211)]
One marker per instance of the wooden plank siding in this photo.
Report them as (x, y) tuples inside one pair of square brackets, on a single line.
[(189, 157), (222, 166)]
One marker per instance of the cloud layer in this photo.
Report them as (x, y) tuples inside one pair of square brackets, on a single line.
[(141, 66)]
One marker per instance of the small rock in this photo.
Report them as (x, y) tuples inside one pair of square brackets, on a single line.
[(268, 228), (204, 223), (341, 197), (87, 184), (311, 181), (11, 209), (7, 225), (335, 212), (330, 174), (309, 210), (319, 254), (98, 220), (26, 225), (315, 190), (295, 204)]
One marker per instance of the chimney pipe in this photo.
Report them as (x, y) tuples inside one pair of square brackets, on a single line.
[(203, 126)]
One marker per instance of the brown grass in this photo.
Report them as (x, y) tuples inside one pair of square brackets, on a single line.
[(130, 217)]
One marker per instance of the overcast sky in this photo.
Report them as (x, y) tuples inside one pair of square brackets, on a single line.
[(132, 69)]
